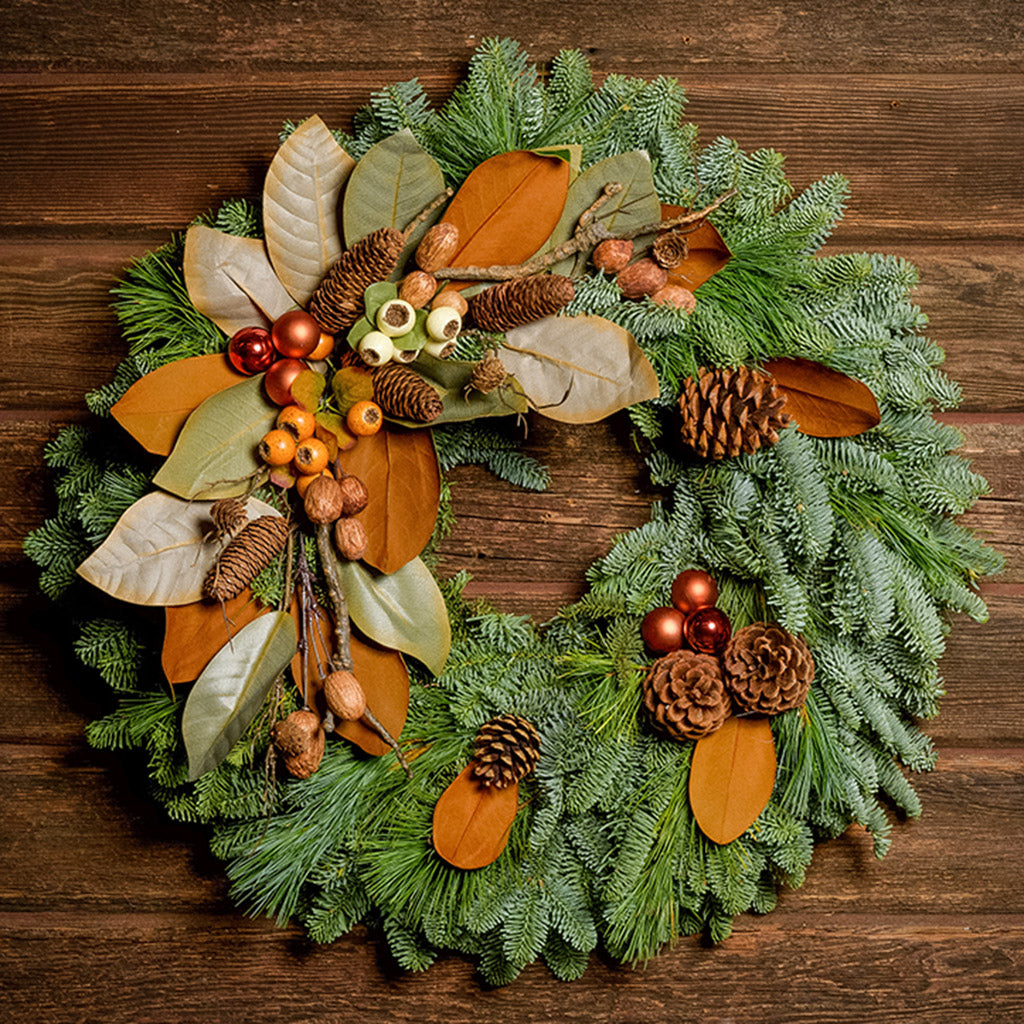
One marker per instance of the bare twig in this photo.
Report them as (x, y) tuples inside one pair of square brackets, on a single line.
[(342, 627), (427, 211)]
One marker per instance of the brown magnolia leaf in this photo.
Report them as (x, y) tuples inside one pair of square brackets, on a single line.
[(732, 776), (194, 633), (507, 208), (400, 471), (472, 821), (154, 409), (823, 401), (706, 256)]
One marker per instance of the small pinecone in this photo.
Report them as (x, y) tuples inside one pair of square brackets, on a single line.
[(228, 516), (685, 696), (767, 669), (727, 412), (488, 375), (252, 550), (521, 301), (338, 302), (670, 249), (507, 749), (404, 394)]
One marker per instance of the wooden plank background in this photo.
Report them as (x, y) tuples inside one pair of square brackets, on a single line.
[(119, 122)]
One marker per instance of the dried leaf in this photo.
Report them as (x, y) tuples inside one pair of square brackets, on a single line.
[(307, 388), (472, 821), (156, 554), (404, 611), (507, 208), (331, 429), (579, 369), (300, 207), (823, 401), (707, 253), (230, 280), (732, 776), (351, 384), (399, 468), (154, 409), (215, 454), (227, 696), (194, 633)]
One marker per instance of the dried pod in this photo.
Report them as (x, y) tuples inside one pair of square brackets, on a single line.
[(228, 516), (324, 500), (405, 355), (675, 295), (612, 254), (438, 247), (301, 766), (670, 249), (488, 374), (451, 299), (344, 695), (642, 278), (295, 734), (418, 288), (350, 539), (395, 318), (354, 495), (440, 349)]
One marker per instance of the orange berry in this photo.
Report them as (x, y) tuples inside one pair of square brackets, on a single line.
[(303, 482), (277, 448), (324, 348), (299, 422), (364, 418), (311, 457)]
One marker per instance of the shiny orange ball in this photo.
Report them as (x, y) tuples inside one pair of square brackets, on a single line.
[(708, 630), (694, 589), (280, 378), (662, 629), (295, 334)]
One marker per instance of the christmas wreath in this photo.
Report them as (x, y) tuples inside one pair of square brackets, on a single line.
[(743, 675)]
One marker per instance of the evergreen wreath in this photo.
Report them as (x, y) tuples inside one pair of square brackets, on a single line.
[(845, 541)]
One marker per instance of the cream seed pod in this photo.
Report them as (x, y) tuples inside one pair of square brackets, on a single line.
[(440, 349), (405, 355), (444, 324), (395, 318), (376, 349)]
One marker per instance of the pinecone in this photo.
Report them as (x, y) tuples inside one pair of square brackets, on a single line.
[(521, 301), (507, 749), (404, 394), (338, 302), (670, 249), (685, 695), (228, 516), (251, 551), (488, 375), (727, 412), (767, 669)]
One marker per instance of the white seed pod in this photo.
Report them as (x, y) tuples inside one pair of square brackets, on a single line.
[(406, 355), (440, 349), (444, 323), (395, 318), (376, 348)]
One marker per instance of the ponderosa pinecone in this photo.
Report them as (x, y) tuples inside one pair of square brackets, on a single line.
[(670, 249), (520, 301), (338, 302), (727, 412), (685, 696), (228, 516), (767, 669), (488, 375), (404, 394), (507, 749), (248, 554)]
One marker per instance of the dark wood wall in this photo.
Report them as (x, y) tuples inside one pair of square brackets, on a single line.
[(119, 121)]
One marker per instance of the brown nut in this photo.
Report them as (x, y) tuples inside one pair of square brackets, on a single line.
[(324, 500), (612, 254), (675, 295), (451, 299), (301, 766), (295, 734), (642, 278), (418, 288), (354, 495), (350, 539), (438, 247), (344, 695)]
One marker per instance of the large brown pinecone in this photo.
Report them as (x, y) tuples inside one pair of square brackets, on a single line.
[(507, 749), (404, 394), (685, 696), (251, 551), (338, 302), (520, 301), (767, 669), (727, 412)]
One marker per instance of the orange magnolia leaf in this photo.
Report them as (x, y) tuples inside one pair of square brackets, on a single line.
[(824, 402), (507, 208), (154, 409), (472, 821), (707, 252), (194, 633), (732, 776), (400, 471)]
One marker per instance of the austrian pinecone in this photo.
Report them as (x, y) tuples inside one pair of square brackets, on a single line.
[(488, 374), (404, 394), (670, 249), (251, 551), (521, 301), (767, 669), (507, 749), (685, 696), (338, 302), (728, 412)]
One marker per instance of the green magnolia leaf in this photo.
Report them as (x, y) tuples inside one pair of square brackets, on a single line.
[(570, 152), (215, 455), (157, 553), (404, 611), (232, 688)]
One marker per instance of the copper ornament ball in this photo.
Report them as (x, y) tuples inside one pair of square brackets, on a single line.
[(694, 589), (251, 351), (280, 378), (662, 629), (707, 630), (295, 334)]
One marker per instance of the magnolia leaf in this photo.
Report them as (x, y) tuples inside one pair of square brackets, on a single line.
[(399, 468), (232, 688), (300, 207), (215, 456), (472, 821), (732, 776), (157, 553), (823, 401), (230, 280), (154, 409), (570, 152), (404, 611), (706, 254), (579, 369)]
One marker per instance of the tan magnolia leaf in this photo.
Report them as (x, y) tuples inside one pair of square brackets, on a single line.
[(823, 401), (472, 821), (230, 280), (300, 207)]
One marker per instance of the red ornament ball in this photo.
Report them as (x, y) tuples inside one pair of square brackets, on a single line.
[(694, 589), (295, 334), (280, 378), (251, 351), (662, 630), (708, 630)]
